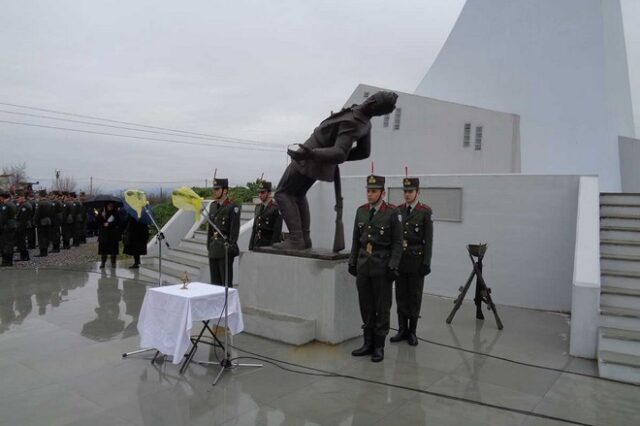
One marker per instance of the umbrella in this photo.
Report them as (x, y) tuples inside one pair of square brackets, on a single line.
[(102, 200)]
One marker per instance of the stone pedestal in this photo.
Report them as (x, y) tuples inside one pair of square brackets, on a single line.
[(297, 299)]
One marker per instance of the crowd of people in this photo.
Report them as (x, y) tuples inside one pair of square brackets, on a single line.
[(55, 221)]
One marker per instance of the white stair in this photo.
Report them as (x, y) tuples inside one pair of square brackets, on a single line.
[(619, 333), (189, 256)]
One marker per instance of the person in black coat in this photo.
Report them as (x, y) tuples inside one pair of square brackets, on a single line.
[(108, 234), (135, 238)]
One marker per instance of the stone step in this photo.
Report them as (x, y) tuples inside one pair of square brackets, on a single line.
[(620, 263), (624, 233), (619, 198), (200, 236), (169, 275), (619, 372), (192, 244), (621, 222), (620, 297), (627, 280), (619, 318), (615, 210), (623, 358), (629, 248), (179, 264), (613, 333), (191, 255)]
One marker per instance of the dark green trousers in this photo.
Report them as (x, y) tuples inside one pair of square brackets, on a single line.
[(374, 295)]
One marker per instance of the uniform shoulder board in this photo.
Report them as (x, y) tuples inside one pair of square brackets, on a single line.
[(423, 207), (364, 206), (392, 206)]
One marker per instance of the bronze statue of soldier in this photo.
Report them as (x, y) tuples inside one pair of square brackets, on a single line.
[(330, 144)]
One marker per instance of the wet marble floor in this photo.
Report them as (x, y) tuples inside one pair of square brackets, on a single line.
[(62, 333)]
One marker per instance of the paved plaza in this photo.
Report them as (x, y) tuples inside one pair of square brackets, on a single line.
[(62, 333)]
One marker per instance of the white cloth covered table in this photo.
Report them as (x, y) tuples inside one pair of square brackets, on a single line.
[(168, 313)]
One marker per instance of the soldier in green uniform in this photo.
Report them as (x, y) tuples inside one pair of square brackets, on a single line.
[(8, 227), (374, 260), (225, 214), (416, 260), (43, 218), (56, 220), (267, 221), (68, 219), (24, 216), (83, 218), (76, 208), (31, 227)]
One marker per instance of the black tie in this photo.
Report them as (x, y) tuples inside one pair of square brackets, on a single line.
[(262, 207), (408, 210), (371, 213)]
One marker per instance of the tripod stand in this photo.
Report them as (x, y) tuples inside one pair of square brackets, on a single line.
[(226, 362), (159, 239), (483, 293)]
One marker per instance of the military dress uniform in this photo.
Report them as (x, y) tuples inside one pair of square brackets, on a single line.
[(31, 227), (68, 219), (24, 216), (374, 260), (56, 222), (77, 221), (267, 222), (226, 216), (43, 218), (8, 227), (417, 241)]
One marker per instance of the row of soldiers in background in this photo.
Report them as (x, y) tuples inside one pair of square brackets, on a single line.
[(57, 220)]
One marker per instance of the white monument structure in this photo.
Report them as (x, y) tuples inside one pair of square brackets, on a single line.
[(560, 65)]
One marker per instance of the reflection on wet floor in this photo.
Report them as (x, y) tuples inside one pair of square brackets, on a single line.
[(62, 333)]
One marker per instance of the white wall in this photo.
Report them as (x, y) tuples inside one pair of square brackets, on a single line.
[(560, 65), (630, 164), (585, 302), (528, 221), (430, 138)]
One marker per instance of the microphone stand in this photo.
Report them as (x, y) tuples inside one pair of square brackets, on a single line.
[(226, 363), (159, 239)]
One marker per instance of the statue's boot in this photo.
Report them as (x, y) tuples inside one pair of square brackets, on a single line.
[(305, 220), (291, 216)]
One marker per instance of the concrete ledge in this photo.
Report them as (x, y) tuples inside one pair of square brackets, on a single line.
[(321, 291), (277, 326)]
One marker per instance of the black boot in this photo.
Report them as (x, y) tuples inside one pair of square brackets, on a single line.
[(43, 253), (291, 216), (402, 330), (24, 255), (367, 346), (378, 349), (412, 339)]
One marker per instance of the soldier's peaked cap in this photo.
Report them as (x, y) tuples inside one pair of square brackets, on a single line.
[(411, 183), (220, 183), (375, 182), (264, 185)]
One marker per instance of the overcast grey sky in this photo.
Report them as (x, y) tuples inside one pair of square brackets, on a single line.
[(258, 70)]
